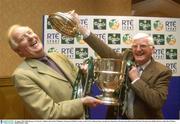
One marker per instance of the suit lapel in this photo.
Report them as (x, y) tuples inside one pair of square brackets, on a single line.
[(44, 69), (64, 65), (148, 71)]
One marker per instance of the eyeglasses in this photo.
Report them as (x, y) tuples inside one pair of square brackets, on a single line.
[(141, 46)]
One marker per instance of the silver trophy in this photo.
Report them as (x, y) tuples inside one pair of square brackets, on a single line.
[(109, 73), (109, 76)]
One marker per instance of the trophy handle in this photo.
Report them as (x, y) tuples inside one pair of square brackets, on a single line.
[(128, 57)]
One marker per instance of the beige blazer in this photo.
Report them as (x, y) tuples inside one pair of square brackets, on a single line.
[(46, 93)]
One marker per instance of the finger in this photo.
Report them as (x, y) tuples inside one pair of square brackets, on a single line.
[(71, 12)]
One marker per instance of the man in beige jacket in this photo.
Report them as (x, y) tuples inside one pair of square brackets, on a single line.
[(45, 89)]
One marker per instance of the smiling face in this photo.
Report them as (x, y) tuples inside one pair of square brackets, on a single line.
[(27, 42), (142, 50)]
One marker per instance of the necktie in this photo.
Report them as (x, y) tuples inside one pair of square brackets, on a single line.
[(140, 70), (130, 99), (51, 64)]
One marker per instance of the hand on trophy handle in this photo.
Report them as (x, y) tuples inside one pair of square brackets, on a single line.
[(81, 29), (74, 16), (90, 101), (68, 24), (84, 68)]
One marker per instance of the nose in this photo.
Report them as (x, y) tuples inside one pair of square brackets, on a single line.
[(138, 47), (29, 36)]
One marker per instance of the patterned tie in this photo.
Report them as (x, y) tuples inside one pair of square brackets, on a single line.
[(52, 64), (130, 110)]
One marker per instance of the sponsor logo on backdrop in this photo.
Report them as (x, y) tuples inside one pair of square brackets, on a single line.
[(114, 38), (172, 66), (67, 40), (171, 53), (171, 40), (81, 53), (99, 24), (79, 39), (53, 38), (145, 25), (170, 25), (128, 24), (69, 52), (48, 25), (158, 25), (118, 35), (84, 22), (159, 54), (102, 36), (127, 39), (114, 24), (158, 39), (52, 49)]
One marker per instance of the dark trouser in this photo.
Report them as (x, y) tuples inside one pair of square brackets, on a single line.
[(114, 112)]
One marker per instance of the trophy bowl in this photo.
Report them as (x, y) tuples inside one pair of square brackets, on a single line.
[(63, 23), (109, 76)]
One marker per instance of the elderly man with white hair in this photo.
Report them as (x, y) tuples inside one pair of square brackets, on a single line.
[(45, 81), (149, 89)]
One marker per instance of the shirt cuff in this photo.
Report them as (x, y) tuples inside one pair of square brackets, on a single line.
[(86, 34)]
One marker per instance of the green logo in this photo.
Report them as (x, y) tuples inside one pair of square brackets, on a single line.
[(127, 39), (145, 25), (171, 40), (171, 53), (114, 24), (158, 25), (52, 49), (100, 24), (81, 53), (66, 40), (114, 38), (158, 39)]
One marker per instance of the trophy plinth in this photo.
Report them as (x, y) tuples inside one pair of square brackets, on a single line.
[(109, 76)]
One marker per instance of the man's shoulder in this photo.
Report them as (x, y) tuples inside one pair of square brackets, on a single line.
[(21, 67), (161, 67), (56, 54)]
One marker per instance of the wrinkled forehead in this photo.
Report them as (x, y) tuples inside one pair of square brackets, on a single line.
[(142, 40), (19, 31)]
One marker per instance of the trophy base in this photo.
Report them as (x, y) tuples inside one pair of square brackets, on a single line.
[(108, 100)]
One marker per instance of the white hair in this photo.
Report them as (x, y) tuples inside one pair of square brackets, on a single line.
[(12, 42), (144, 35)]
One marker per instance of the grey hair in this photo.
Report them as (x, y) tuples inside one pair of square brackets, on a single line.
[(143, 35), (11, 41)]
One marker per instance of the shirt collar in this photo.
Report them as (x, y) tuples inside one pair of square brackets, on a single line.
[(146, 64)]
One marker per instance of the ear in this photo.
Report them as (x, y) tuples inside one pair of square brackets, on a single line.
[(19, 52), (153, 49)]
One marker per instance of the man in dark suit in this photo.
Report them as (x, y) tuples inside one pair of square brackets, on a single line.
[(149, 88), (45, 81)]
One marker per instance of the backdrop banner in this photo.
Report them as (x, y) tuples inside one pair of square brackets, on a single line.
[(117, 32)]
